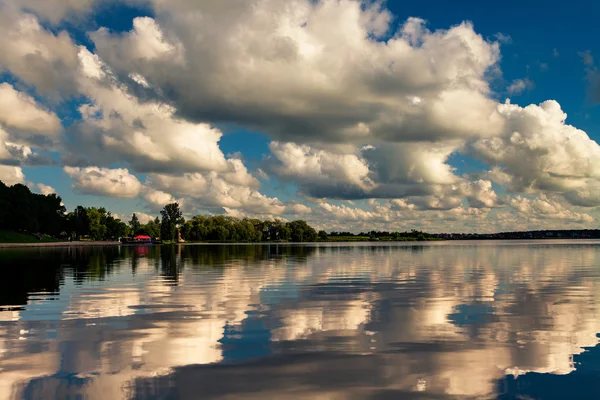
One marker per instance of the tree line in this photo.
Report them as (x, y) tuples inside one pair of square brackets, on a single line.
[(172, 226), (229, 229), (22, 210)]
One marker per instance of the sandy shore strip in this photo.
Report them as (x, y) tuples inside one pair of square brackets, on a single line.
[(57, 244)]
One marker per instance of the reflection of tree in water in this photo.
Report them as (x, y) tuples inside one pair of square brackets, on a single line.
[(93, 263), (298, 254), (171, 264), (223, 255), (136, 253), (26, 271), (41, 270)]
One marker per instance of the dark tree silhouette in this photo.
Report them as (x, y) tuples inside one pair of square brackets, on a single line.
[(171, 218), (134, 224)]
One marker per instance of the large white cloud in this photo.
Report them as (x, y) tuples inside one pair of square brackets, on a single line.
[(11, 175), (20, 111), (42, 188), (157, 199), (104, 182), (36, 55), (11, 153), (24, 123), (320, 170), (146, 42), (418, 86), (538, 151), (116, 126), (418, 172), (234, 188), (312, 71), (229, 191)]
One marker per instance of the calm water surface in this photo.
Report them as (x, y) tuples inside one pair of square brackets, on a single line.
[(507, 320)]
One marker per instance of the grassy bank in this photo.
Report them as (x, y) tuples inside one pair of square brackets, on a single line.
[(20, 237), (11, 237)]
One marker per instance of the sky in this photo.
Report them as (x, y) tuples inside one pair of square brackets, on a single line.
[(352, 115)]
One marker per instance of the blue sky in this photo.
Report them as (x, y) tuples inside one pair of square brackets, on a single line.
[(312, 121)]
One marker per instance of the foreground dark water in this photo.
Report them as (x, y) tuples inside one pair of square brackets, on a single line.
[(508, 320)]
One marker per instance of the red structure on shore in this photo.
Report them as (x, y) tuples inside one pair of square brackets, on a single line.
[(140, 239)]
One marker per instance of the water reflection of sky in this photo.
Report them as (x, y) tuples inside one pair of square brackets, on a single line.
[(292, 322)]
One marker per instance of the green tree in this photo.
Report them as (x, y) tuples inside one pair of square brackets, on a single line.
[(302, 232), (97, 223), (258, 229), (171, 218), (267, 231), (277, 230), (200, 227), (285, 233), (135, 224), (115, 228), (152, 229), (20, 209), (323, 235), (186, 230), (220, 232), (49, 213), (22, 214), (248, 230), (82, 222), (69, 224)]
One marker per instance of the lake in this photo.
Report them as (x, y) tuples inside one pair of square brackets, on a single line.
[(491, 319)]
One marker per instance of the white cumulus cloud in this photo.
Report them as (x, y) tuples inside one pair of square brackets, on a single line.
[(11, 175), (117, 182)]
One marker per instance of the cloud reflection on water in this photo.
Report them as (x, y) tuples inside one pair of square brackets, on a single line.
[(296, 321)]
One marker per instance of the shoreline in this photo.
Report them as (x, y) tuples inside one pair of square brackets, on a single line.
[(56, 244), (390, 242)]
